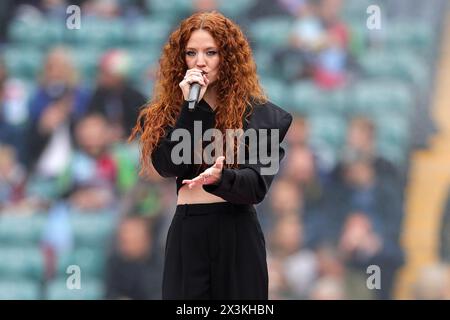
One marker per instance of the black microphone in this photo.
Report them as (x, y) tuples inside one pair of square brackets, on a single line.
[(194, 94)]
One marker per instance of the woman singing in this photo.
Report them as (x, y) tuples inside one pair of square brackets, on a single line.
[(215, 248)]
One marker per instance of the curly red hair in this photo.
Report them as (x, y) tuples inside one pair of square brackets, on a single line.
[(237, 82)]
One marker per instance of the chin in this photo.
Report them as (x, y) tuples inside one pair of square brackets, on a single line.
[(212, 82)]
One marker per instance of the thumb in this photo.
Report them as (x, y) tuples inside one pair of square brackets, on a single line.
[(219, 162)]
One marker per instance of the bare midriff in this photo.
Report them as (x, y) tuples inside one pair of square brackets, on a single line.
[(196, 195)]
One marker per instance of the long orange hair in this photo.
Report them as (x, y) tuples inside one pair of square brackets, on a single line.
[(237, 84)]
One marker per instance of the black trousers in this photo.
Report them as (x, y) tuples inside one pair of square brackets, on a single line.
[(215, 251)]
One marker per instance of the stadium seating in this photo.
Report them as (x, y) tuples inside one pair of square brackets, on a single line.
[(270, 32), (373, 98), (102, 33), (19, 290), (37, 32), (91, 262), (404, 65), (90, 289), (23, 61), (21, 230), (20, 262), (92, 229)]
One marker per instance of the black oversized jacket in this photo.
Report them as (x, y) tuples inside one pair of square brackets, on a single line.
[(245, 185)]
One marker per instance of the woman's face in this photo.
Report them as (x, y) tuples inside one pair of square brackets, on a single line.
[(202, 53)]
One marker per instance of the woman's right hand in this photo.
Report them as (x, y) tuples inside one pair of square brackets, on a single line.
[(194, 75)]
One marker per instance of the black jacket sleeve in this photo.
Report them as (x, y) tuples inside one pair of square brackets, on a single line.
[(161, 155), (248, 184)]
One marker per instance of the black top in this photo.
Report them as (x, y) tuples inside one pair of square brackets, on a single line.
[(244, 185)]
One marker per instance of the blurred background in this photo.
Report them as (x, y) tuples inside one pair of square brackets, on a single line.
[(365, 180)]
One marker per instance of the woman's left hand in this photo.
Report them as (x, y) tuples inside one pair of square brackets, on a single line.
[(209, 176)]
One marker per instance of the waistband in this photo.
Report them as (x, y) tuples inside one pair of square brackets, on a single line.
[(195, 209)]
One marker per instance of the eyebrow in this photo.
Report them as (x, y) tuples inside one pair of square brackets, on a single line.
[(205, 49)]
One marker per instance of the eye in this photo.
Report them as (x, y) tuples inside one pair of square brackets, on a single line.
[(211, 53), (190, 53)]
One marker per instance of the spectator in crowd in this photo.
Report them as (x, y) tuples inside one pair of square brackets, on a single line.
[(134, 269), (328, 288), (87, 185), (92, 172), (306, 39), (361, 137), (298, 134), (285, 198), (13, 112), (114, 97), (363, 214), (278, 288), (59, 101), (146, 198), (302, 169), (12, 179), (331, 64), (298, 265)]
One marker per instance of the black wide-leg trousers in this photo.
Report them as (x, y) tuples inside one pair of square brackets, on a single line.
[(215, 251)]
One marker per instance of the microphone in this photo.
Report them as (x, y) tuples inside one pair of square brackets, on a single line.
[(194, 94)]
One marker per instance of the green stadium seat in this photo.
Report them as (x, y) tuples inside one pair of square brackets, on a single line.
[(23, 62), (91, 261), (354, 9), (172, 10), (145, 87), (36, 32), (43, 188), (393, 137), (234, 8), (395, 64), (142, 58), (270, 32), (415, 35), (90, 290), (275, 90), (21, 230), (21, 262), (264, 63), (92, 229), (393, 153), (373, 98), (327, 131), (86, 60), (19, 290), (306, 97), (153, 31), (101, 33)]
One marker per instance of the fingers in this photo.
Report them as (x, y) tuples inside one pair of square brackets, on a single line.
[(219, 162), (195, 77), (203, 178), (208, 176), (199, 180)]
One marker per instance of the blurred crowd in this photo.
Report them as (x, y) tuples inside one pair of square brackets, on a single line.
[(64, 157)]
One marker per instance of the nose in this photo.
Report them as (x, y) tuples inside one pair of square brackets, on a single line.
[(200, 60)]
